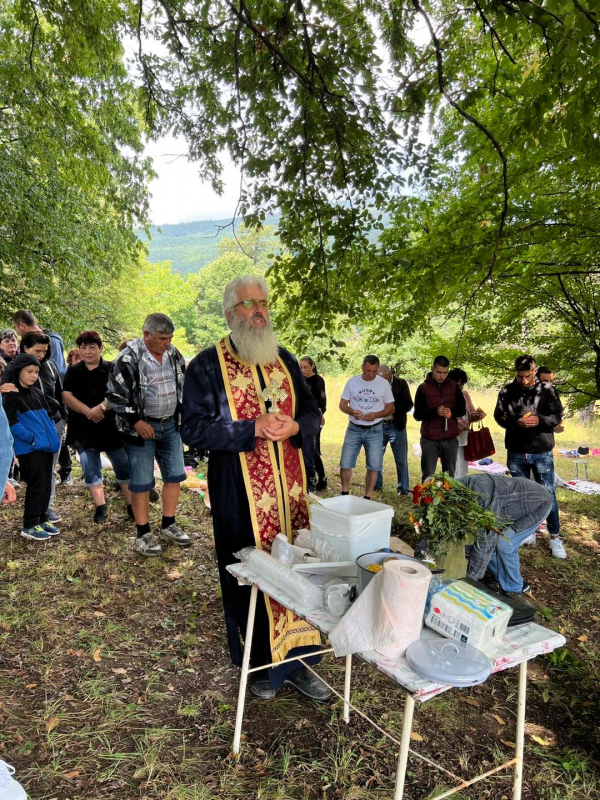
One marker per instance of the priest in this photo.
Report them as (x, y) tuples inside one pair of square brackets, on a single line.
[(247, 403)]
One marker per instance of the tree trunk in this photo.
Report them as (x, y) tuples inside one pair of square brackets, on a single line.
[(586, 414)]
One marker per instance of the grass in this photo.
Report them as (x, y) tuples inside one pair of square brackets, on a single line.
[(116, 679)]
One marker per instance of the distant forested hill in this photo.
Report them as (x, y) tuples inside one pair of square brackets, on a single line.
[(191, 245)]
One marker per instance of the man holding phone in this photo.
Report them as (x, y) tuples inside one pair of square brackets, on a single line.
[(530, 410)]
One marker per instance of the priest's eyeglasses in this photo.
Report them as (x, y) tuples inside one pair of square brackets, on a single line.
[(253, 304)]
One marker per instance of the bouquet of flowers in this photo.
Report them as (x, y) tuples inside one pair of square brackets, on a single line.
[(446, 513)]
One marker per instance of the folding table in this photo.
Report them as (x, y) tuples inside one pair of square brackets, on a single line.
[(519, 645)]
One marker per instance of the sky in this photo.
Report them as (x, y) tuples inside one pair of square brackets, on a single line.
[(178, 194)]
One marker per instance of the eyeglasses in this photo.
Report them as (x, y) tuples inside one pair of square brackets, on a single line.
[(253, 303)]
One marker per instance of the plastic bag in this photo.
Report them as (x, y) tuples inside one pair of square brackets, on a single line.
[(294, 585)]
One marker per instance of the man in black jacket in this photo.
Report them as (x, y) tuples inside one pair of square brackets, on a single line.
[(529, 411), (394, 429)]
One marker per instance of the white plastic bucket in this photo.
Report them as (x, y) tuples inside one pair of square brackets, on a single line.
[(352, 525)]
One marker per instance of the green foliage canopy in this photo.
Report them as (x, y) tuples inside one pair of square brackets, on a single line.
[(72, 173)]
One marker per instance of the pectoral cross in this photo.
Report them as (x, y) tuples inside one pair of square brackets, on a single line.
[(274, 394)]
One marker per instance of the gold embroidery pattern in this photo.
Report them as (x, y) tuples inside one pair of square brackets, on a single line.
[(262, 479)]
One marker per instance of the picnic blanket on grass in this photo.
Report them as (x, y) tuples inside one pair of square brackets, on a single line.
[(495, 468)]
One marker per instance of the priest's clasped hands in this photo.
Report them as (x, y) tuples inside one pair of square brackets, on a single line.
[(275, 427)]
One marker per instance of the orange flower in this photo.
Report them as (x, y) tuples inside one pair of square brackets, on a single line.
[(446, 485)]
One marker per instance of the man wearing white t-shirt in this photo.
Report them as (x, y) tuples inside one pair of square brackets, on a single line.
[(367, 399)]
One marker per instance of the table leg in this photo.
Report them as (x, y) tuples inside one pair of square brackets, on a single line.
[(347, 679), (520, 737), (409, 707), (244, 676)]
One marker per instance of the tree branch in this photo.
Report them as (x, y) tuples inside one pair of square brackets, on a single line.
[(493, 31), (444, 91), (33, 33), (590, 16)]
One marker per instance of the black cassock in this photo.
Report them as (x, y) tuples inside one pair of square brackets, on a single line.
[(207, 425)]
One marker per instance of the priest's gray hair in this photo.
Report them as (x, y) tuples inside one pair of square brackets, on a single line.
[(158, 323), (231, 294)]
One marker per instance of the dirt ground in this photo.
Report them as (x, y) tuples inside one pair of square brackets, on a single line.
[(116, 680)]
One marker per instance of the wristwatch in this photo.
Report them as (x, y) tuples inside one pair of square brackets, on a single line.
[(104, 407)]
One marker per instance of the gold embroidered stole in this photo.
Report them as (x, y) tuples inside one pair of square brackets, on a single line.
[(275, 481)]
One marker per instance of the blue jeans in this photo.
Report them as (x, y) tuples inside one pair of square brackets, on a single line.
[(540, 467), (504, 563), (371, 439), (166, 447), (91, 464), (399, 447)]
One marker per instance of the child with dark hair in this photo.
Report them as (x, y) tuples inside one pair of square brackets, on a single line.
[(35, 442)]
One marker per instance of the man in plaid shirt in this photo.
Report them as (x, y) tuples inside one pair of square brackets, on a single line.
[(523, 504)]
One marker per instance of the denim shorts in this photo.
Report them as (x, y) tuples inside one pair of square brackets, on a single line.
[(372, 440), (166, 448), (91, 464)]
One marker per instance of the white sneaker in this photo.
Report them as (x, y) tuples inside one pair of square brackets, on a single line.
[(557, 548), (531, 539), (10, 789)]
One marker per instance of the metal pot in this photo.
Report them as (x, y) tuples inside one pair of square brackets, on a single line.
[(363, 574)]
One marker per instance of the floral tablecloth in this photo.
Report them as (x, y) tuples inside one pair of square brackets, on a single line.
[(519, 644)]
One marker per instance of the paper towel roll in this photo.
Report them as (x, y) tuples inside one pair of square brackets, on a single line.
[(388, 614)]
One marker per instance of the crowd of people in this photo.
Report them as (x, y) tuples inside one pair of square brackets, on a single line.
[(258, 413)]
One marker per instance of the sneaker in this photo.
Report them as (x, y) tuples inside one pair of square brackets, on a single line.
[(15, 484), (523, 598), (557, 548), (542, 527), (308, 685), (49, 528), (531, 539), (526, 588), (101, 514), (66, 481), (322, 485), (36, 532), (52, 516), (148, 545), (10, 789), (312, 485), (174, 534), (154, 496)]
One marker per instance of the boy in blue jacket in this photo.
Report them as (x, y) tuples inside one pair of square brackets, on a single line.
[(35, 442)]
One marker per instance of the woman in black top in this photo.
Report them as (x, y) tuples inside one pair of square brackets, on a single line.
[(312, 448), (92, 428)]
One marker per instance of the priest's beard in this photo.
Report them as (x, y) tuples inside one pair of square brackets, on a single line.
[(254, 345)]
